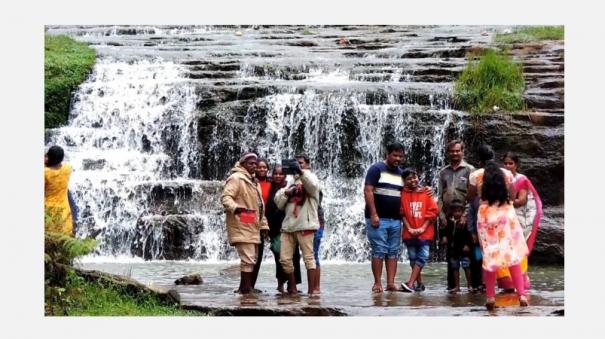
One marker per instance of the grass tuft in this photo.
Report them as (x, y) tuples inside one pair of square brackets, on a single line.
[(490, 79), (531, 34)]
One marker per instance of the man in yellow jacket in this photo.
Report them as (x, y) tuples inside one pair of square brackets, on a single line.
[(245, 215)]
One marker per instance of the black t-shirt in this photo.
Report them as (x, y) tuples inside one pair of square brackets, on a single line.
[(387, 184), (457, 237)]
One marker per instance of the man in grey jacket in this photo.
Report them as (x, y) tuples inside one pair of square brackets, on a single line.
[(300, 202), (453, 185)]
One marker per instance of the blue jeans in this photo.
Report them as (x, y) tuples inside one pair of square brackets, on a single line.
[(418, 255), (385, 239), (316, 242)]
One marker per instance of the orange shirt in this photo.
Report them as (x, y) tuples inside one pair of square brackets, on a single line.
[(265, 186), (416, 207)]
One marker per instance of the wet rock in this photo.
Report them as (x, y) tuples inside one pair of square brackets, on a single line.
[(448, 39), (93, 164), (315, 311), (170, 237), (549, 247), (536, 138), (303, 43), (192, 279)]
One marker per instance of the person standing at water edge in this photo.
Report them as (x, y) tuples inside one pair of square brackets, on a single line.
[(382, 193), (300, 202), (475, 182), (265, 184), (419, 212), (275, 218), (528, 207), (245, 216), (453, 185), (458, 242), (304, 163), (56, 203), (500, 234)]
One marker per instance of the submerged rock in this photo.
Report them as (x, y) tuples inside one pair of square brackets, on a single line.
[(192, 279)]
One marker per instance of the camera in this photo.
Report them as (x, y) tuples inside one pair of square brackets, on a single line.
[(289, 165)]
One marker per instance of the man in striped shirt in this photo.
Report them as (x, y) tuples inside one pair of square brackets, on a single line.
[(382, 193)]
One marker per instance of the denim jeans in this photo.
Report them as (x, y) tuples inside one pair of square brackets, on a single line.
[(316, 242), (385, 239), (418, 255)]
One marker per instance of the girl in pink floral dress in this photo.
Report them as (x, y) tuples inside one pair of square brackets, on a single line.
[(500, 235)]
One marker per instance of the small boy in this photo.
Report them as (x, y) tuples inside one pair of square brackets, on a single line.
[(419, 211), (459, 242)]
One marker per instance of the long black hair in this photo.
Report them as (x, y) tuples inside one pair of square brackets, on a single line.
[(494, 187)]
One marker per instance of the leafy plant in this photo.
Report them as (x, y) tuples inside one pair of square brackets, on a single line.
[(490, 80)]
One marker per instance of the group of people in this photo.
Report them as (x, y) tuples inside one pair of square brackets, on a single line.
[(488, 221), (287, 214)]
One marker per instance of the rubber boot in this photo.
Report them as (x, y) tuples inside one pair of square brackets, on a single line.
[(245, 286), (317, 280), (311, 280), (292, 283)]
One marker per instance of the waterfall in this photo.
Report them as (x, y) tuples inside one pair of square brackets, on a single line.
[(167, 111)]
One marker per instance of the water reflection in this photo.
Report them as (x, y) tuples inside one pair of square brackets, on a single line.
[(344, 286)]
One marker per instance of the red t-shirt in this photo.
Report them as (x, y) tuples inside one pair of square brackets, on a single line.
[(265, 186), (416, 207)]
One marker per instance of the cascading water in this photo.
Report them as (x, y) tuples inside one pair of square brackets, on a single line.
[(168, 110)]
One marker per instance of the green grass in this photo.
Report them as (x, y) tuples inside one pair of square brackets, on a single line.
[(491, 79), (83, 298), (66, 65), (531, 34)]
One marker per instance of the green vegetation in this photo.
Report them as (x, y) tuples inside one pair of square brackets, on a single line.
[(531, 34), (67, 293), (66, 65), (490, 79), (79, 297)]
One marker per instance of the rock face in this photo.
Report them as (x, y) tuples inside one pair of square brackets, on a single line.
[(550, 241)]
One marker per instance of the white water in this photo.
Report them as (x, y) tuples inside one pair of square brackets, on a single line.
[(133, 136)]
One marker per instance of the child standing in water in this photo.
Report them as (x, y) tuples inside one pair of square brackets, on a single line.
[(459, 242), (500, 235), (419, 211)]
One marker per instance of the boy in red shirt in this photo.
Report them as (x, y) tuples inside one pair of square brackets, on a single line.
[(419, 211)]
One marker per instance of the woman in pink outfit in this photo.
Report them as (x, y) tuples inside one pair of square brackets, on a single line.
[(528, 207)]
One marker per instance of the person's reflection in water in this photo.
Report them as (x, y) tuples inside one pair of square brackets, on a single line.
[(394, 299), (378, 299), (250, 299)]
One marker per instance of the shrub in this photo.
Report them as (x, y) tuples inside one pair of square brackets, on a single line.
[(59, 252), (491, 79), (531, 34), (66, 65)]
